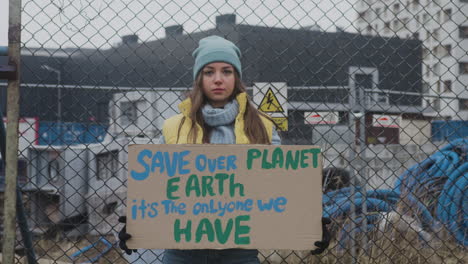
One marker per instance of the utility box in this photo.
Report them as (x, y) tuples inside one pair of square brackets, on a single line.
[(142, 113), (58, 184)]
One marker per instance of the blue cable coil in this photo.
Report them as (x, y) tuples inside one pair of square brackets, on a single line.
[(444, 174)]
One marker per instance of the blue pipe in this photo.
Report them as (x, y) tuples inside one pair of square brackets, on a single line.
[(93, 245)]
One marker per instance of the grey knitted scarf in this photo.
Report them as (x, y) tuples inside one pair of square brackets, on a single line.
[(221, 121)]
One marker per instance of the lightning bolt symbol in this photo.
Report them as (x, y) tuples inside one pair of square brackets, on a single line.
[(269, 100)]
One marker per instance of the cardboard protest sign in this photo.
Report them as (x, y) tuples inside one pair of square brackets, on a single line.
[(224, 196)]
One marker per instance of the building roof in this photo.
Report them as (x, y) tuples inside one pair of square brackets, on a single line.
[(299, 57)]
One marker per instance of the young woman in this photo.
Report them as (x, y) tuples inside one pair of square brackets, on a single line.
[(217, 111)]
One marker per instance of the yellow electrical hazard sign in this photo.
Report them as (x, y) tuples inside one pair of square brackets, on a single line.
[(270, 103), (281, 123)]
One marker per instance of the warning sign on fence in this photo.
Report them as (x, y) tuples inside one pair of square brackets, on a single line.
[(270, 103), (271, 99), (197, 196)]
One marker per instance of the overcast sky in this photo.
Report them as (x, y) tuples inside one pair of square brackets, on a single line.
[(101, 23)]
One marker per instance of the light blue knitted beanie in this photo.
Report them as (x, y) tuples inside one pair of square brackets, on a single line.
[(216, 49)]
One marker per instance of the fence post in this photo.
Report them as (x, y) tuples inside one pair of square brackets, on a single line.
[(11, 159), (352, 116)]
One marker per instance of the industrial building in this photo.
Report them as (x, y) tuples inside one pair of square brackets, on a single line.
[(442, 27)]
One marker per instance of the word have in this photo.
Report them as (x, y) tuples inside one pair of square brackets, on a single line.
[(292, 159), (210, 230), (205, 186), (177, 162)]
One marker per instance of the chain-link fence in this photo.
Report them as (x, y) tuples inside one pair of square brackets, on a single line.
[(380, 85)]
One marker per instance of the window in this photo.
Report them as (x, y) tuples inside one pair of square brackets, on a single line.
[(427, 102), (377, 11), (463, 67), (438, 16), (447, 86), (396, 8), (436, 69), (435, 34), (426, 70), (369, 28), (425, 18), (446, 50), (362, 14), (436, 104), (425, 53), (416, 35), (425, 88), (463, 104), (447, 14), (129, 113), (463, 31), (405, 21), (107, 164), (386, 27), (53, 170)]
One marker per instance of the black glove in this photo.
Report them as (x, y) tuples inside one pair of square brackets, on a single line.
[(124, 236), (326, 237)]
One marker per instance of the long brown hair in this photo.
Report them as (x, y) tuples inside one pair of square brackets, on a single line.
[(253, 125)]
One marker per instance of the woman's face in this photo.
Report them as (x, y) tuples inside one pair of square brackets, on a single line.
[(218, 83)]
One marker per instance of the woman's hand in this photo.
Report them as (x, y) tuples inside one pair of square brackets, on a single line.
[(326, 237), (124, 236)]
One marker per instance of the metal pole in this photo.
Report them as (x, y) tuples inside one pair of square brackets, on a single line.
[(362, 155), (11, 159), (351, 160), (22, 222)]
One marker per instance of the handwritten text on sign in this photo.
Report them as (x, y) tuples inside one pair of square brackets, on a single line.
[(197, 196)]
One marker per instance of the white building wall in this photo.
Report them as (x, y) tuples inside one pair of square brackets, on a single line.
[(429, 22)]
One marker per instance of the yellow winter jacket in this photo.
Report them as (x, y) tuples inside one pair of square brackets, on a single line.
[(171, 125)]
